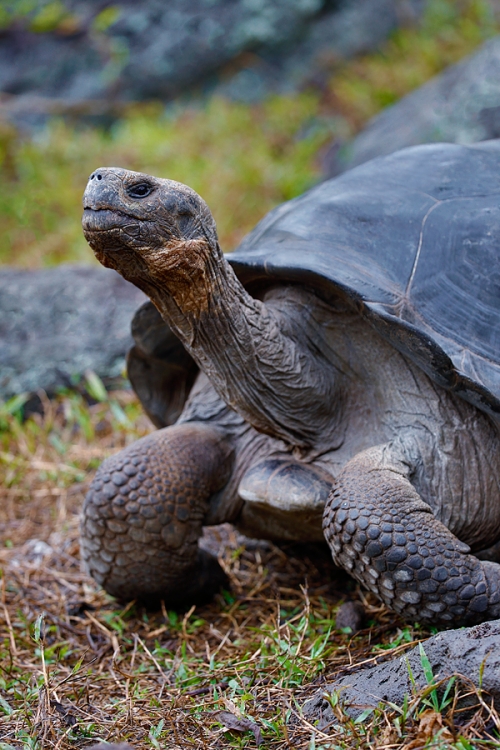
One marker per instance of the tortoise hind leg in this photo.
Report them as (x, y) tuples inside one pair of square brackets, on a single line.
[(159, 368), (144, 512), (382, 532), (491, 554)]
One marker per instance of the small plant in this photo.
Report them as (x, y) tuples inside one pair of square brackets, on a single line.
[(155, 734), (430, 696)]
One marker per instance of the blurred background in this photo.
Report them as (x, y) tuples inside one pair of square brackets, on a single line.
[(250, 102)]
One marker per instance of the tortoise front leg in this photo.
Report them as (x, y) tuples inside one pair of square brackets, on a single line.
[(382, 532), (143, 515)]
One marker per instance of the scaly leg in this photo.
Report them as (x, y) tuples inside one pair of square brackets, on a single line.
[(382, 532), (144, 512)]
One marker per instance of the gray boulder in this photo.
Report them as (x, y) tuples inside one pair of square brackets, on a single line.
[(462, 105), (473, 652), (152, 49), (60, 322), (352, 27), (159, 50)]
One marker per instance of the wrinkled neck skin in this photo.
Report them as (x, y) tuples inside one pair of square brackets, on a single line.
[(259, 360)]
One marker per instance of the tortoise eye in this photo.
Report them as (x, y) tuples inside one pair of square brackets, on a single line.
[(141, 190)]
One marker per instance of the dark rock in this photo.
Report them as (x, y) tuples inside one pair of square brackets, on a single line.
[(462, 105), (59, 322), (165, 47), (468, 652), (350, 615), (160, 50), (349, 29)]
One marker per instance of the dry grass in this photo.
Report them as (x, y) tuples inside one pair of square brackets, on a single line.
[(77, 667)]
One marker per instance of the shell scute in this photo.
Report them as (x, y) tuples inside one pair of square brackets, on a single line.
[(412, 240)]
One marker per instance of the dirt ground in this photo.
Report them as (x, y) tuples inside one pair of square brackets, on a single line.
[(78, 667)]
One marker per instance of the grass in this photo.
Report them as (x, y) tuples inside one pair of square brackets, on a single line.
[(242, 159), (77, 667), (448, 32)]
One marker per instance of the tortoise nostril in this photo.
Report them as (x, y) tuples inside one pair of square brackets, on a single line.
[(92, 176), (99, 176)]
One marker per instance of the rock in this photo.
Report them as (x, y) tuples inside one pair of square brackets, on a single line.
[(35, 552), (466, 651), (159, 50), (350, 615), (462, 105), (152, 50), (59, 322), (351, 28)]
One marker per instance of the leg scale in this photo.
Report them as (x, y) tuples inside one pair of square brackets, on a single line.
[(381, 531), (144, 512)]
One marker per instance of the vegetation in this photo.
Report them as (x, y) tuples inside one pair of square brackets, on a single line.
[(76, 666), (449, 31), (242, 159)]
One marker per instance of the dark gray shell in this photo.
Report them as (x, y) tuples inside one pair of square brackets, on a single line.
[(412, 240)]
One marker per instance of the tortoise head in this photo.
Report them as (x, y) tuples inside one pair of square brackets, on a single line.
[(155, 232)]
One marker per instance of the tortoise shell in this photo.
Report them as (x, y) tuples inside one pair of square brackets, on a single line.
[(410, 240)]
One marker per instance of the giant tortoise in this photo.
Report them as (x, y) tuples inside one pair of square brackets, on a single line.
[(337, 375)]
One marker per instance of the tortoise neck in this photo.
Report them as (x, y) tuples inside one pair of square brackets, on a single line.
[(257, 359), (198, 295), (181, 280)]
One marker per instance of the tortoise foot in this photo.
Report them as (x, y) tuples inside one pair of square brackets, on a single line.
[(381, 531), (144, 512), (197, 585)]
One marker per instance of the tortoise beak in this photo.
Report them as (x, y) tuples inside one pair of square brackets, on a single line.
[(102, 220), (103, 189), (103, 206)]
